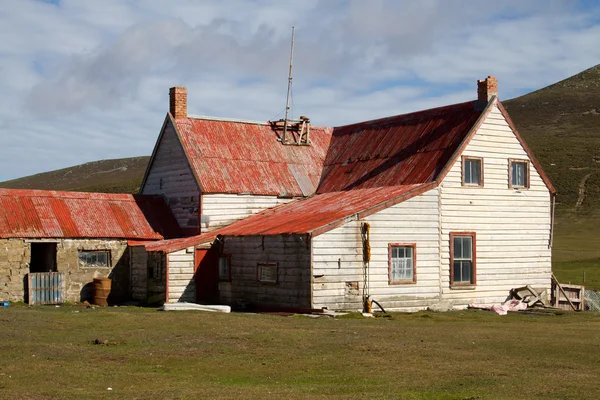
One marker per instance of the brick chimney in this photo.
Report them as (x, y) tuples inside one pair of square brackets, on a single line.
[(487, 88), (178, 102)]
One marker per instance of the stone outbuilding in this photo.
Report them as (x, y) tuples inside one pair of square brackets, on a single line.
[(81, 236)]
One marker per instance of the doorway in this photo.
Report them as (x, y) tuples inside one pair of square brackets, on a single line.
[(43, 257), (207, 276)]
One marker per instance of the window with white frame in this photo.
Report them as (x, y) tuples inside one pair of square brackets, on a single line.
[(462, 258), (401, 260), (519, 173), (267, 272), (225, 268), (472, 171)]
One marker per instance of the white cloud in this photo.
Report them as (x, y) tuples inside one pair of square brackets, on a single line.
[(89, 80)]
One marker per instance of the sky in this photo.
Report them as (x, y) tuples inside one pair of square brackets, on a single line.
[(86, 80)]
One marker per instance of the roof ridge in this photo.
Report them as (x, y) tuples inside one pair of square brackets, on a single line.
[(407, 116)]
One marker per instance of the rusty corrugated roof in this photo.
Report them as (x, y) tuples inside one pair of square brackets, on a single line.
[(314, 215), (53, 214), (242, 157), (401, 150)]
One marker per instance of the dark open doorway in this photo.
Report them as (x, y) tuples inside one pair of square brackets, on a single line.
[(43, 257)]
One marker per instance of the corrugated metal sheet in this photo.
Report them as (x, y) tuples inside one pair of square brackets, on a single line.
[(46, 288), (310, 215), (52, 214), (401, 150), (238, 157)]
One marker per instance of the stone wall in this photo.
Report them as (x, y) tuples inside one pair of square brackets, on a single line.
[(15, 256), (14, 266), (79, 280)]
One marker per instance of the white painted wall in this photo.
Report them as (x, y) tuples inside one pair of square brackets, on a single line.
[(170, 175), (222, 209), (181, 284), (512, 226), (337, 258)]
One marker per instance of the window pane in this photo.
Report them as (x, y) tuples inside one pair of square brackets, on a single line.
[(519, 172), (472, 171), (457, 271), (457, 247), (402, 264), (467, 244), (476, 172)]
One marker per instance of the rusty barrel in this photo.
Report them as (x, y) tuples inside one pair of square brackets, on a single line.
[(101, 291)]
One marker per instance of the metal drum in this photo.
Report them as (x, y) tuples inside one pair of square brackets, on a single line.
[(101, 291)]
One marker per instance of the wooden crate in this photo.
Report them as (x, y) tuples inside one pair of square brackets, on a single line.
[(575, 294)]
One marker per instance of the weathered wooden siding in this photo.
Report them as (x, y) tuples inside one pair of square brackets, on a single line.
[(222, 209), (512, 226), (139, 273), (181, 285), (170, 175), (293, 281), (338, 262)]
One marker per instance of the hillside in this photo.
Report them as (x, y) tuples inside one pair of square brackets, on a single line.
[(122, 175), (561, 123)]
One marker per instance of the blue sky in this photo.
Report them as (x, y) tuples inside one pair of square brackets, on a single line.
[(88, 80)]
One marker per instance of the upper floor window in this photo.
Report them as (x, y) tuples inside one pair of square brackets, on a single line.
[(401, 262), (519, 173), (472, 171)]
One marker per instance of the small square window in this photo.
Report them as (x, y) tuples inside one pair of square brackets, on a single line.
[(401, 263), (267, 272), (93, 259), (472, 171), (518, 174), (225, 268), (156, 266)]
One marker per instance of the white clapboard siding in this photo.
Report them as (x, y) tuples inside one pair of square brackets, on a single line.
[(338, 265), (222, 209), (512, 226), (181, 285), (170, 175), (292, 256)]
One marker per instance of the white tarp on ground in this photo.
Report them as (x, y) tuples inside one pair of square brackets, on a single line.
[(502, 309), (194, 307)]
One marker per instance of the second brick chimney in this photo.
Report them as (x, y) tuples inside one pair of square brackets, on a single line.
[(486, 88), (178, 102)]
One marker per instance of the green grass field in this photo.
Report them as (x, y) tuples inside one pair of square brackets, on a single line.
[(577, 249), (49, 353)]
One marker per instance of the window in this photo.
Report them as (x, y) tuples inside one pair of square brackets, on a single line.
[(518, 173), (94, 259), (472, 171), (224, 268), (267, 272), (156, 266), (401, 263), (462, 258)]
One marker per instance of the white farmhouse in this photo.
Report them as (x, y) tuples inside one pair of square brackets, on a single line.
[(442, 205)]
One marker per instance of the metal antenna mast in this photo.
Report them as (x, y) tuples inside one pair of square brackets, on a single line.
[(287, 101)]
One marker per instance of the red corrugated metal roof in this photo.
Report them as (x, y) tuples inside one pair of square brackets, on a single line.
[(314, 215), (401, 150), (52, 214), (240, 157)]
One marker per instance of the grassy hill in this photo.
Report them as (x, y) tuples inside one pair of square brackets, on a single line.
[(561, 123), (122, 175)]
